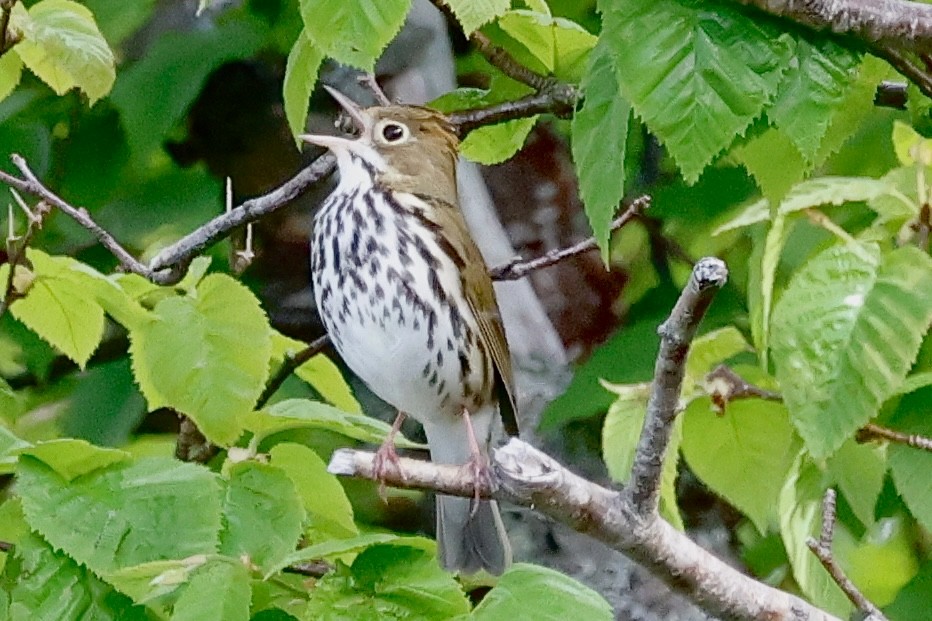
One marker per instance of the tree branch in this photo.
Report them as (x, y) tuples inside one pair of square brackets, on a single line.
[(290, 364), (527, 477), (7, 38), (558, 99), (519, 268), (870, 432), (823, 551), (892, 22), (676, 333), (16, 252)]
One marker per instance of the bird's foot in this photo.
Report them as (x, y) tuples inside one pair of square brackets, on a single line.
[(481, 472), (386, 459)]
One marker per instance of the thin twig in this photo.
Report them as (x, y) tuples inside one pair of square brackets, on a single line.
[(519, 268), (16, 252), (676, 333), (368, 80), (870, 432), (289, 365), (725, 385), (823, 551), (506, 63), (558, 99), (6, 39)]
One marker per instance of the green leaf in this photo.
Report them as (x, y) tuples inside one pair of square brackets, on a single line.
[(57, 306), (323, 497), (493, 144), (883, 562), (910, 467), (262, 514), (911, 147), (757, 156), (913, 599), (815, 88), (333, 548), (529, 591), (392, 581), (105, 407), (205, 355), (600, 134), (46, 585), (559, 44), (10, 448), (11, 70), (858, 470), (353, 32), (800, 511), (71, 458), (620, 436), (303, 413), (320, 372), (156, 580), (710, 350), (472, 14), (751, 435), (63, 46), (218, 591), (119, 20), (119, 516), (300, 76), (845, 333), (697, 75)]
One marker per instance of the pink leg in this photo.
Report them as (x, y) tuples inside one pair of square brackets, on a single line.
[(478, 462), (387, 455)]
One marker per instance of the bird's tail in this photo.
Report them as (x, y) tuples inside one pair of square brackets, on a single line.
[(470, 533)]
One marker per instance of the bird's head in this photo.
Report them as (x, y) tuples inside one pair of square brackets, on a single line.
[(409, 148)]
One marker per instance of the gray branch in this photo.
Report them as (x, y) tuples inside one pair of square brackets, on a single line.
[(676, 333), (525, 476)]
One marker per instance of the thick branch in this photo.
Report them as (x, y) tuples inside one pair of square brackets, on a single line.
[(892, 22), (525, 476), (676, 333)]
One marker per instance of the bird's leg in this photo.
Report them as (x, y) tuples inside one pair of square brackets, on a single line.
[(478, 462), (387, 455)]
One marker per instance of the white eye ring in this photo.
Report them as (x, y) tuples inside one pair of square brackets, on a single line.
[(392, 132)]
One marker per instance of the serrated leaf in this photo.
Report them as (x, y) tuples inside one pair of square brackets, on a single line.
[(493, 144), (600, 134), (859, 470), (11, 71), (46, 585), (333, 548), (262, 514), (800, 512), (757, 156), (71, 458), (153, 581), (205, 355), (472, 14), (390, 581), (751, 435), (910, 467), (327, 506), (300, 76), (697, 75), (814, 89), (353, 32), (531, 591), (320, 372), (58, 308), (559, 44), (304, 413), (218, 591), (844, 335), (119, 516), (911, 147), (10, 448), (63, 46), (620, 435)]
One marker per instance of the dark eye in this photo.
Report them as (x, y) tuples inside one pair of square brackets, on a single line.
[(393, 132)]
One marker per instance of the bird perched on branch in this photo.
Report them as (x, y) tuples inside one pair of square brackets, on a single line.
[(406, 298)]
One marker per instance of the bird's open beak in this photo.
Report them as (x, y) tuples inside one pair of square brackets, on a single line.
[(355, 113)]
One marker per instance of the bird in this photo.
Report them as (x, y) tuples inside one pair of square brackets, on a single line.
[(407, 300)]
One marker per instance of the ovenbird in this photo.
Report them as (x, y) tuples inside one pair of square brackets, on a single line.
[(408, 303)]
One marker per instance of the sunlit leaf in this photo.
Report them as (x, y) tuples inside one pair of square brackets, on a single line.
[(300, 77), (472, 14), (526, 591), (353, 31)]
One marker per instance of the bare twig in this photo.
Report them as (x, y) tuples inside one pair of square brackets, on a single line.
[(905, 65), (676, 333), (16, 248), (519, 268), (823, 551), (558, 99), (507, 64), (527, 477), (368, 80), (7, 38), (288, 367), (871, 432), (725, 386)]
